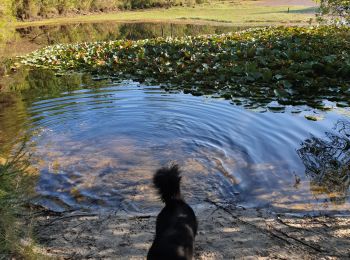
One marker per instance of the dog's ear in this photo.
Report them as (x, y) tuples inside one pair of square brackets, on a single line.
[(173, 166)]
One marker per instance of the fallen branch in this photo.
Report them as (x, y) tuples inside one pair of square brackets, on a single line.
[(270, 232), (70, 216), (36, 36), (141, 217), (245, 222), (298, 240)]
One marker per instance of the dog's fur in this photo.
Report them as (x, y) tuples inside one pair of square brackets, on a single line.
[(176, 225)]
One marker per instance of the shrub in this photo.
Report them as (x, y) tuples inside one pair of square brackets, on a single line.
[(16, 184), (29, 9), (338, 9)]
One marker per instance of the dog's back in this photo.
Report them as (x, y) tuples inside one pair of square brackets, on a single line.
[(176, 225)]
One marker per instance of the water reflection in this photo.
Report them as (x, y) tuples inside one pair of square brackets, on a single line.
[(327, 163), (113, 31), (39, 83), (28, 86), (98, 148), (30, 38), (97, 143), (13, 117)]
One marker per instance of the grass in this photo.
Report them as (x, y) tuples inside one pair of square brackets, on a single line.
[(247, 13), (224, 13), (16, 184)]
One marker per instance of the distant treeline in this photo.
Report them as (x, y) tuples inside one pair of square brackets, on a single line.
[(31, 9)]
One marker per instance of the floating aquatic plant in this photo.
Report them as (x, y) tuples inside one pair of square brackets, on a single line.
[(293, 65)]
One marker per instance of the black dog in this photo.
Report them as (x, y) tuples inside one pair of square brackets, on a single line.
[(176, 225)]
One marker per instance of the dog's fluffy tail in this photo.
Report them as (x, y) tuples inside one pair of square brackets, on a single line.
[(167, 181)]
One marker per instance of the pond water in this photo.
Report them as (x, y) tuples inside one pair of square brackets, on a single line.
[(24, 40), (97, 142)]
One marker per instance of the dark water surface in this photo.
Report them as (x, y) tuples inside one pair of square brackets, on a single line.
[(97, 144), (24, 40)]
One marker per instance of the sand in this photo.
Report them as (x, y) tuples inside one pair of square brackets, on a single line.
[(225, 232)]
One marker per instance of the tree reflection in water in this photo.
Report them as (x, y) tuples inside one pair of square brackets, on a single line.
[(327, 162)]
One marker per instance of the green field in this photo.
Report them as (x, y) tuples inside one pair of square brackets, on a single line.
[(233, 13)]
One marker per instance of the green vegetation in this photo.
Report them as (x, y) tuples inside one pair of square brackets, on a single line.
[(225, 12), (16, 184), (5, 18), (339, 9), (31, 9), (32, 38), (291, 65), (5, 8), (11, 125)]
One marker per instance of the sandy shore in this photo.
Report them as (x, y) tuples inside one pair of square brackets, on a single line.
[(225, 232)]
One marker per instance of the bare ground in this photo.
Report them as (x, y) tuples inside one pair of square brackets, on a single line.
[(225, 232), (287, 3)]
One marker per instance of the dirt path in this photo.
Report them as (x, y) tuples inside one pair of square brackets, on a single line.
[(287, 3), (224, 233)]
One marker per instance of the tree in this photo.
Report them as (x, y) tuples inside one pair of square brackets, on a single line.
[(5, 19), (339, 10)]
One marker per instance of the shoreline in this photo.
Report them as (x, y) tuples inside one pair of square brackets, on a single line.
[(247, 13), (225, 232), (76, 20)]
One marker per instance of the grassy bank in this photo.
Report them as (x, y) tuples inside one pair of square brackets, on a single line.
[(291, 65), (225, 12), (36, 9), (16, 185)]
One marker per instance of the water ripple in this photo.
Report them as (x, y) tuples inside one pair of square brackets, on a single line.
[(99, 147)]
